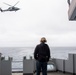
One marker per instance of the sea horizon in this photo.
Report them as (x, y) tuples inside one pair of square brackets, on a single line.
[(18, 53)]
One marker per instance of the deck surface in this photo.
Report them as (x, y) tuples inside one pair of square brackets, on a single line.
[(52, 73)]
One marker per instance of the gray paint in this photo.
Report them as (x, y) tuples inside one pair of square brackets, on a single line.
[(74, 63), (0, 63), (60, 64), (28, 66), (6, 67), (69, 64)]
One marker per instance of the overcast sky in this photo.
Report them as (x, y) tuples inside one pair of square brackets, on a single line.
[(36, 19)]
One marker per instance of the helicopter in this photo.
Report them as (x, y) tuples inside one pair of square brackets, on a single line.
[(11, 8)]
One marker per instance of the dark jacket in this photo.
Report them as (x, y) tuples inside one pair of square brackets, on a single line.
[(42, 52)]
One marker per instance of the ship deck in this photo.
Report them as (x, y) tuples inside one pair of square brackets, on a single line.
[(51, 73)]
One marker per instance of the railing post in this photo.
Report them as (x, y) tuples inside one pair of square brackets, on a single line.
[(28, 66), (6, 68), (73, 64), (0, 63)]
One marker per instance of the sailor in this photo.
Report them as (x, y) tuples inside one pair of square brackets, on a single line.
[(42, 56)]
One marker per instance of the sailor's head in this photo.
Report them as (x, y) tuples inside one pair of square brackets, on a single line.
[(43, 40)]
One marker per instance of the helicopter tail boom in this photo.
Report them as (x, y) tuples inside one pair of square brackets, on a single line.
[(1, 10)]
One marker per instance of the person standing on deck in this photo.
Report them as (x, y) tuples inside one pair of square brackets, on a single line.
[(42, 56)]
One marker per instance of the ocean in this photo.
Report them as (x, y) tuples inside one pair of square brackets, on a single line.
[(19, 52)]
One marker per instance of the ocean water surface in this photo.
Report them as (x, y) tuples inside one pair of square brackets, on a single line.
[(19, 52)]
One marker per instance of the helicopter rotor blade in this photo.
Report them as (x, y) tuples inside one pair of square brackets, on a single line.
[(16, 3), (7, 4)]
